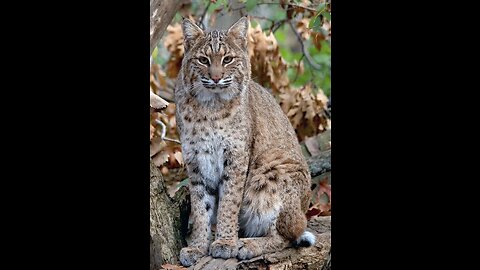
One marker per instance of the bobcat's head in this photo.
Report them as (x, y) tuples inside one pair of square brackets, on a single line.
[(215, 64)]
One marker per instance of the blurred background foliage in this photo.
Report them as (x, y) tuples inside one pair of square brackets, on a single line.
[(289, 50)]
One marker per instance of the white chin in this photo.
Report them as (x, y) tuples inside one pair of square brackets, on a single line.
[(216, 90)]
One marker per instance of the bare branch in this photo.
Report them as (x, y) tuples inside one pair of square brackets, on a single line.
[(278, 24), (161, 14), (164, 128), (298, 68), (164, 132), (262, 18), (304, 51), (288, 4), (203, 15)]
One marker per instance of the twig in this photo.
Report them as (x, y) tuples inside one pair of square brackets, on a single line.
[(203, 15), (164, 128), (298, 68), (305, 52), (278, 24), (288, 4), (262, 18), (164, 132), (266, 19)]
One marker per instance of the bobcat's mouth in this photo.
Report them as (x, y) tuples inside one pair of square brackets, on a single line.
[(216, 87)]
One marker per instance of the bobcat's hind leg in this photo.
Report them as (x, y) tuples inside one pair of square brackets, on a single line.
[(253, 247)]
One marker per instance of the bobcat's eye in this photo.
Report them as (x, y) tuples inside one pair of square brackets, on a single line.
[(227, 59), (203, 60)]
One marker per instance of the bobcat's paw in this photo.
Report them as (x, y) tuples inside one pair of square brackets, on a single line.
[(247, 250), (190, 255), (224, 249)]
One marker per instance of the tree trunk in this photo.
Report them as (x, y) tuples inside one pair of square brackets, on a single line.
[(161, 14), (165, 226)]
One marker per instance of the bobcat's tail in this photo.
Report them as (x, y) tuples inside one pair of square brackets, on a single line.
[(307, 239)]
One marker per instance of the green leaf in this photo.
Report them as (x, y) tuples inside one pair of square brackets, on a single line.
[(312, 21), (155, 52), (315, 22), (327, 15), (184, 182), (250, 4), (321, 7)]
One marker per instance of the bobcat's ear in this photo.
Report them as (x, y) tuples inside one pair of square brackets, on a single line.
[(190, 32), (239, 31)]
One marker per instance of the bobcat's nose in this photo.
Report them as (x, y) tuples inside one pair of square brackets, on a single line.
[(216, 79)]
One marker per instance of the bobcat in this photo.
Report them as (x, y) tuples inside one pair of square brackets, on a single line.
[(247, 172)]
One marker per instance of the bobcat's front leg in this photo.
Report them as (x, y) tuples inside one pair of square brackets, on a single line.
[(230, 198), (203, 206)]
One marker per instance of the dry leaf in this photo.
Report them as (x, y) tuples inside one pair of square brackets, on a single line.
[(157, 102), (165, 170), (174, 44), (156, 145), (302, 28), (178, 157), (152, 132), (322, 197), (160, 158)]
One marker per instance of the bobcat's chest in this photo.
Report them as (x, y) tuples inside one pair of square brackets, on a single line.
[(205, 147)]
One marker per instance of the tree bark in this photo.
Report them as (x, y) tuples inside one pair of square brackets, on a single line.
[(166, 228)]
